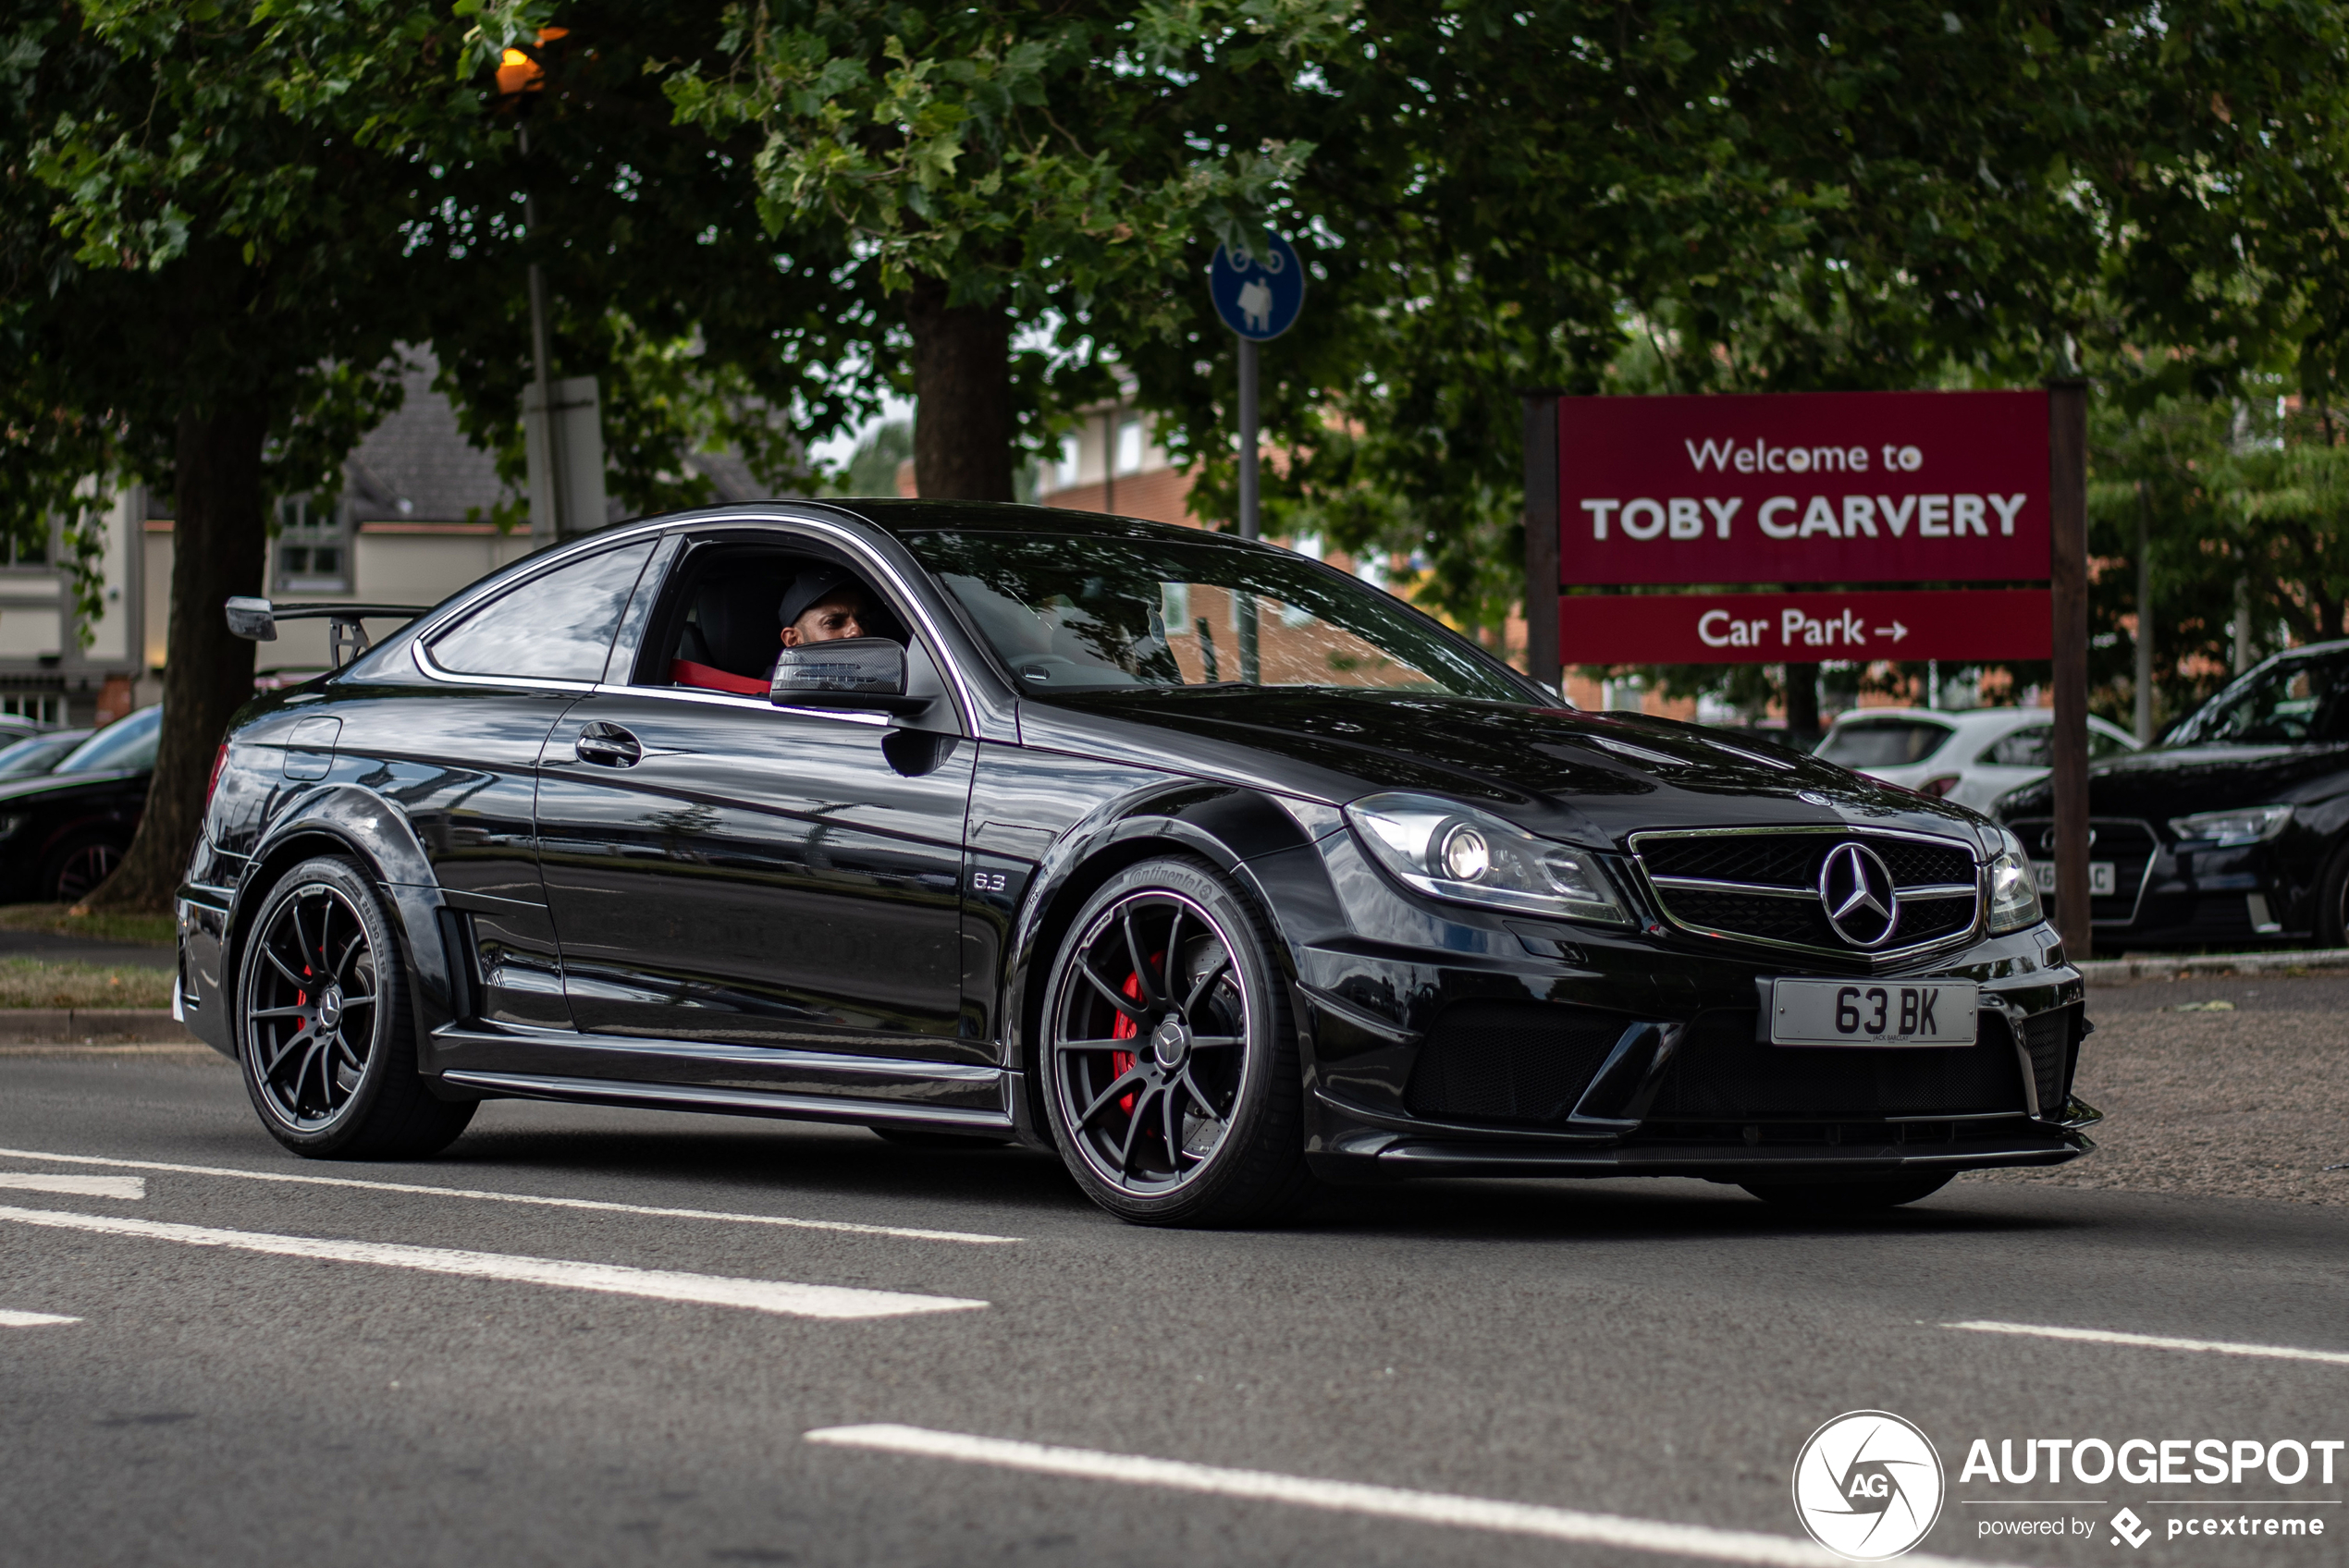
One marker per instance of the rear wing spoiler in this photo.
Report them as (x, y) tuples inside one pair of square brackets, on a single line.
[(256, 620)]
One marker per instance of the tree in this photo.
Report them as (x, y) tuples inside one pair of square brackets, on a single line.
[(1007, 165), (222, 222)]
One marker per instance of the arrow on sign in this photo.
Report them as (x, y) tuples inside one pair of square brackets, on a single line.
[(1896, 630)]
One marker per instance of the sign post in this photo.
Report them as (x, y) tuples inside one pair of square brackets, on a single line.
[(2068, 492), (1259, 298)]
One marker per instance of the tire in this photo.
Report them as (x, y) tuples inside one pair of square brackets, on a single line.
[(332, 1070), (2333, 902), (924, 1138), (1175, 1108), (1846, 1197), (79, 868)]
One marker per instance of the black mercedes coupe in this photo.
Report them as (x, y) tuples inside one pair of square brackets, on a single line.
[(1212, 868)]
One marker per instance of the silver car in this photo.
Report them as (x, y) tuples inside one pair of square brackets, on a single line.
[(1970, 757)]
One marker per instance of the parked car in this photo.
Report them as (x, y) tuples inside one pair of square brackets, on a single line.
[(39, 753), (1208, 866), (62, 832), (2235, 828), (1972, 757), (16, 727)]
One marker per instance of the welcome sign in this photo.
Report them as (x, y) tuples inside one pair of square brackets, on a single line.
[(1804, 487)]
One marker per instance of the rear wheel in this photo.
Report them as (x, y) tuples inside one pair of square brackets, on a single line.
[(1846, 1197), (1169, 1056), (325, 1038), (80, 869)]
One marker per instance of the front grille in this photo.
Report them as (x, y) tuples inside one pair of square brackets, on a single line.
[(1509, 1061), (2049, 1040), (1772, 886), (1722, 1073), (2128, 844)]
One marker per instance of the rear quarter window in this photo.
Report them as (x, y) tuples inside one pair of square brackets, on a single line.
[(558, 626)]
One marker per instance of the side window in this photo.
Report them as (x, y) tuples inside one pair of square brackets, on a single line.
[(556, 627), (2032, 747)]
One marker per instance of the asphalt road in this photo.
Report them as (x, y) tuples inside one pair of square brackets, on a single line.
[(277, 1371)]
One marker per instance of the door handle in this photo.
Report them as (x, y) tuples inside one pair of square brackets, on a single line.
[(608, 745)]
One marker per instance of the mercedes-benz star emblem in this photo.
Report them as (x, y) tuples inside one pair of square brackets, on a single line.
[(1856, 892)]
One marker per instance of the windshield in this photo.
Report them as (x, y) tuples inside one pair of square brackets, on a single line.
[(1075, 612), (33, 755), (126, 745), (2294, 700), (1893, 743)]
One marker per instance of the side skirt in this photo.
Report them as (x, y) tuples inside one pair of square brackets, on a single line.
[(729, 1102)]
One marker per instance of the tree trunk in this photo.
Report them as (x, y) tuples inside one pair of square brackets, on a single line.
[(962, 397), (218, 539), (1802, 700)]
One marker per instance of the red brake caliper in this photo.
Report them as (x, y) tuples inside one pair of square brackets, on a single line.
[(1124, 1028)]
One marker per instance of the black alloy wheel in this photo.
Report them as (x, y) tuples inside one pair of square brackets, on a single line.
[(1169, 1059), (81, 868), (1848, 1197), (323, 1033)]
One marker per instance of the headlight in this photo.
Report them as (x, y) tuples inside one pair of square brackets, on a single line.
[(1453, 851), (2014, 891), (2251, 825)]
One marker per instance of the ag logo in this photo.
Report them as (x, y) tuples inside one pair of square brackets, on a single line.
[(1868, 1485)]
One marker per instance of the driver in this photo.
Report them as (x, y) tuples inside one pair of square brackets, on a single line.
[(823, 603)]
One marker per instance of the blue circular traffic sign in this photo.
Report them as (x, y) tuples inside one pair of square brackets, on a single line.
[(1258, 296)]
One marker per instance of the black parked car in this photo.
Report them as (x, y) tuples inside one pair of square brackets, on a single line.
[(1206, 864), (62, 832), (2235, 828)]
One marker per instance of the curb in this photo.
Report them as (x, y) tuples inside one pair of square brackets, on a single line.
[(2106, 970), (46, 1025)]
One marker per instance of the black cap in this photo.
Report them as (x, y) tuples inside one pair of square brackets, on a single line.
[(812, 586)]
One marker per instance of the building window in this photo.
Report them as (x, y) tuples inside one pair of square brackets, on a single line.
[(1129, 445), (42, 707), (1072, 458), (24, 552), (313, 546)]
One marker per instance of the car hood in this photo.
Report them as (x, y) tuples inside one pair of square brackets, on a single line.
[(1583, 777), (43, 787), (2157, 785)]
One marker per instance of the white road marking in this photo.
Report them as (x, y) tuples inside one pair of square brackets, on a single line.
[(2156, 1342), (1354, 1497), (31, 1320), (849, 1227), (77, 1186), (661, 1284)]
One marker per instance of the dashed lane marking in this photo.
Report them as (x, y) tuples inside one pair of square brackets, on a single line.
[(31, 1320), (76, 1186), (660, 1284), (2156, 1342), (847, 1227), (1354, 1497)]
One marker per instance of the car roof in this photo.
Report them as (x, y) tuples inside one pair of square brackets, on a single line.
[(1962, 719), (901, 516)]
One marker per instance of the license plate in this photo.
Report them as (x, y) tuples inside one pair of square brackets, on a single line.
[(1861, 1012), (2102, 881)]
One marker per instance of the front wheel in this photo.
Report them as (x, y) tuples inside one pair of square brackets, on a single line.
[(1846, 1197), (325, 1038), (1169, 1055)]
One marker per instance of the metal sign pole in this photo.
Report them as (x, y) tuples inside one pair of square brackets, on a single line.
[(2068, 517), (550, 427), (1251, 668)]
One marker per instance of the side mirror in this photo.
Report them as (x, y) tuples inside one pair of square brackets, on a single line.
[(858, 674), (251, 619)]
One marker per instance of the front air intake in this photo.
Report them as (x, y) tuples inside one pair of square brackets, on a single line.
[(1510, 1061)]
